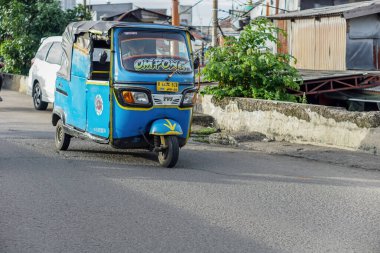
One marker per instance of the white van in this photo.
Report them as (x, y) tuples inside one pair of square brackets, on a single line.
[(43, 72)]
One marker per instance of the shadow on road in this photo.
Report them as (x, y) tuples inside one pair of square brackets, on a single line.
[(23, 109), (243, 168), (143, 154)]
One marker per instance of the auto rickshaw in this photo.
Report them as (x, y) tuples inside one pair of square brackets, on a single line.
[(129, 85)]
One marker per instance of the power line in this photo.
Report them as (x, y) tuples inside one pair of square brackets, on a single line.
[(267, 5), (200, 1), (254, 6), (239, 3), (274, 7)]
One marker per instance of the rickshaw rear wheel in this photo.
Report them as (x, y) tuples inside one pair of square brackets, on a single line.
[(168, 158), (62, 140)]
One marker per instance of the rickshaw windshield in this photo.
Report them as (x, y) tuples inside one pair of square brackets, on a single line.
[(156, 52)]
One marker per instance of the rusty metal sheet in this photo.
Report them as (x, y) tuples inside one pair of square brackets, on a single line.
[(318, 44), (283, 48)]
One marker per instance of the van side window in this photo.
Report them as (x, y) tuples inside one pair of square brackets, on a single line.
[(55, 54), (41, 54)]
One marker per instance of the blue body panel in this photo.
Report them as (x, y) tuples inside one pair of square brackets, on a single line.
[(81, 64), (98, 109), (130, 122), (76, 108), (62, 96)]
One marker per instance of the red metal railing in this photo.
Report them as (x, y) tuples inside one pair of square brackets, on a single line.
[(325, 85)]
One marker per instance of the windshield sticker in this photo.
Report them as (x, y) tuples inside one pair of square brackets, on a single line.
[(161, 64)]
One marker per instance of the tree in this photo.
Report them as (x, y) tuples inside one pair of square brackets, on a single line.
[(78, 13), (22, 25), (246, 67)]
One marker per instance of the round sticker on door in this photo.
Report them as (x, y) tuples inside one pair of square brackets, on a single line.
[(98, 105)]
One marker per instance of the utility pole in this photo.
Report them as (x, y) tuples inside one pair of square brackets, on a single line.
[(85, 8), (214, 23), (175, 13)]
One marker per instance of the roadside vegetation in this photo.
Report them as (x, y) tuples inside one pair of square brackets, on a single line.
[(247, 67), (202, 134), (24, 22), (205, 131)]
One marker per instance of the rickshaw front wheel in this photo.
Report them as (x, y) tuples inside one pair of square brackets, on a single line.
[(168, 157), (62, 140)]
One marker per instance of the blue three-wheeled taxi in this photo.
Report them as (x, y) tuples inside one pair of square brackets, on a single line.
[(130, 85)]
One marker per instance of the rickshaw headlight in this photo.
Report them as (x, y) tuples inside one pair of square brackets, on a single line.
[(188, 98), (140, 97), (135, 97)]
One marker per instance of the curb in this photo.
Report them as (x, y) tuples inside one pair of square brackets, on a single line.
[(237, 138)]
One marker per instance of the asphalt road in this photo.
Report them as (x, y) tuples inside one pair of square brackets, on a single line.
[(96, 199)]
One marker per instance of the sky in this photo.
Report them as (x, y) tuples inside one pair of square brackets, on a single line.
[(201, 12)]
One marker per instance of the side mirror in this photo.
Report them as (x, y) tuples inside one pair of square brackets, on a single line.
[(103, 57), (196, 63)]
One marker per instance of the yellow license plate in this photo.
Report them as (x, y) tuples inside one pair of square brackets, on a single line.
[(167, 86)]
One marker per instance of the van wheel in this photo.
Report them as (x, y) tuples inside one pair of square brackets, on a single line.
[(37, 98), (168, 158), (62, 140)]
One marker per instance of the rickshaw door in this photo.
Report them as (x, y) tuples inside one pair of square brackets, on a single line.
[(98, 93), (98, 108)]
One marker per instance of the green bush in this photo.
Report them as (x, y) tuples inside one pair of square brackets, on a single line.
[(246, 67), (22, 25)]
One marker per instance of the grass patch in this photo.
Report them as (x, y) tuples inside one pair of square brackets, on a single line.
[(205, 131), (203, 140)]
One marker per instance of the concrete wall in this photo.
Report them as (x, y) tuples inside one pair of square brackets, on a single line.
[(299, 123), (15, 82)]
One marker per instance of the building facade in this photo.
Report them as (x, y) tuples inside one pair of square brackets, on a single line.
[(101, 11), (273, 7), (342, 37), (186, 17), (68, 4)]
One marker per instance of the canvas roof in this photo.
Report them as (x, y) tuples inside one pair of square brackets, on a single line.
[(97, 27)]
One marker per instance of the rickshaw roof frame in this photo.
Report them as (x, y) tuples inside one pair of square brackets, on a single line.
[(101, 28)]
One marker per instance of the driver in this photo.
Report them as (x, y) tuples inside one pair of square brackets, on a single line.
[(133, 48)]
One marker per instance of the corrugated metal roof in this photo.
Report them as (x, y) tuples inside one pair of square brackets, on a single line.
[(350, 10), (311, 75)]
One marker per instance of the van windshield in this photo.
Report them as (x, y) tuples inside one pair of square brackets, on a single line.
[(156, 52)]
